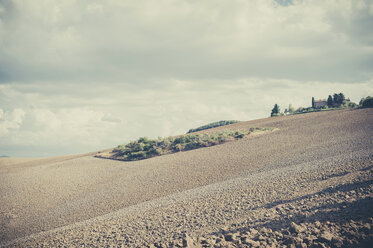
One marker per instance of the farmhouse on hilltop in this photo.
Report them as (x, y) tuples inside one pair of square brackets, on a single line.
[(320, 103)]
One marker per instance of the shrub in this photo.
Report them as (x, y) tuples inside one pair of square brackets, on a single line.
[(351, 105), (239, 135), (212, 125), (192, 145), (136, 155), (146, 148), (177, 148)]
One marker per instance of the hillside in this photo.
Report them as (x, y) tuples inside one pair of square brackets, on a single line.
[(307, 183)]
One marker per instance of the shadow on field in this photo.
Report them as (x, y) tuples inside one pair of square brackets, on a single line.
[(357, 187), (337, 212)]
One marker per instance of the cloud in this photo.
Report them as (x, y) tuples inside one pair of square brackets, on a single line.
[(10, 120), (78, 76), (124, 41), (41, 131), (94, 120), (110, 118)]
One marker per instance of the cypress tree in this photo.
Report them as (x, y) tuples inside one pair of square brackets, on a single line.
[(275, 110), (341, 98), (330, 101), (335, 98)]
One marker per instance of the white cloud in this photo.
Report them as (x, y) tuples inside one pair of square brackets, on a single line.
[(92, 74), (60, 131), (105, 118), (10, 120)]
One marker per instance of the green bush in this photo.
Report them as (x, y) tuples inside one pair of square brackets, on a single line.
[(146, 148), (366, 102), (351, 105), (212, 125)]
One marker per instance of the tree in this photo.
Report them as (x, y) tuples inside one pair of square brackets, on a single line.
[(275, 110), (351, 104), (335, 98), (341, 98), (313, 102), (338, 99), (330, 101), (366, 102)]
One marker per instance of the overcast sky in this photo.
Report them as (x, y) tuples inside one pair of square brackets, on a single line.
[(79, 76)]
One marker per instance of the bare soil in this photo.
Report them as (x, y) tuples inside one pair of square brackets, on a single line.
[(309, 184)]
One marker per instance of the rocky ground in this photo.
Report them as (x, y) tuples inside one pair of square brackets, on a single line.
[(309, 184), (339, 216)]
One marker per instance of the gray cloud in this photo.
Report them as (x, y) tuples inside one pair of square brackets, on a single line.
[(123, 41), (77, 76)]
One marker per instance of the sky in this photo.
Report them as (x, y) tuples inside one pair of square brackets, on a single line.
[(78, 76)]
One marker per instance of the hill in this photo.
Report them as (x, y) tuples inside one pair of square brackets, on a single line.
[(308, 183)]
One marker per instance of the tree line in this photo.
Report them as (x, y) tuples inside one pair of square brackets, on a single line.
[(335, 101)]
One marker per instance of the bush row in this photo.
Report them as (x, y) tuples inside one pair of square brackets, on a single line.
[(212, 125), (146, 148)]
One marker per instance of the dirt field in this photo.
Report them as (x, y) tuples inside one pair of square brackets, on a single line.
[(307, 184)]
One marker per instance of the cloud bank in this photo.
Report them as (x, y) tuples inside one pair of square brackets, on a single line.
[(78, 76)]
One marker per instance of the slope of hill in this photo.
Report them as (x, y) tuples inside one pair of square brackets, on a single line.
[(308, 183)]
